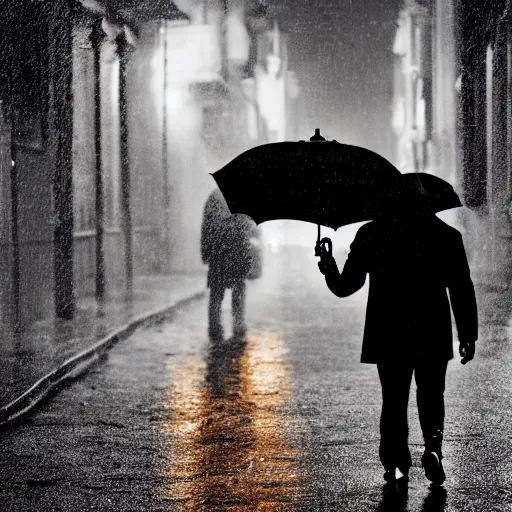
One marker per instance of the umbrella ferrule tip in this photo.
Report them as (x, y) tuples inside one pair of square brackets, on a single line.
[(317, 136)]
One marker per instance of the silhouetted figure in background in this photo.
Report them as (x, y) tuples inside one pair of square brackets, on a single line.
[(412, 257), (226, 248)]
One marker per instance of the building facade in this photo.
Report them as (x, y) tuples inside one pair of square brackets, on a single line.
[(110, 125), (452, 116)]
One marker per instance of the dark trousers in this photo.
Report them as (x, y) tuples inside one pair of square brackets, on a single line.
[(395, 380), (237, 307)]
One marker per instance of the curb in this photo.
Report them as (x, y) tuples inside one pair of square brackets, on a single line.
[(78, 364)]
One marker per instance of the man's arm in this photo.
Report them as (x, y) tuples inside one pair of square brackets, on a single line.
[(463, 300), (353, 275)]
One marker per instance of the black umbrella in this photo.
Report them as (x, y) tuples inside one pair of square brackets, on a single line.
[(438, 194), (326, 183)]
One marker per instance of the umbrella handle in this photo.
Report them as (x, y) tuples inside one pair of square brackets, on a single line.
[(323, 243), (317, 245)]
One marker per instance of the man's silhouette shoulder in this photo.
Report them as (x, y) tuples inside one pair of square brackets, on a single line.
[(443, 231), (421, 224)]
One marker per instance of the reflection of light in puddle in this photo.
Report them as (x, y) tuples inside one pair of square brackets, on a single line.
[(227, 447)]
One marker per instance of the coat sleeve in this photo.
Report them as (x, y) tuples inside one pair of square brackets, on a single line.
[(353, 275), (462, 294)]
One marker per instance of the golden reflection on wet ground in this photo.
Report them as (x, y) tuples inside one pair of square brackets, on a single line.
[(224, 429)]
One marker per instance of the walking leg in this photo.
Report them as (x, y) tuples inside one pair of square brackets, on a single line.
[(215, 330), (430, 383), (394, 451), (238, 308)]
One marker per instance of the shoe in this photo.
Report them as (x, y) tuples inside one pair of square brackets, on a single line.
[(396, 475), (434, 471), (389, 475)]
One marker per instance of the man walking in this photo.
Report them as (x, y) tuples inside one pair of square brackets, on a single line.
[(412, 258), (226, 248)]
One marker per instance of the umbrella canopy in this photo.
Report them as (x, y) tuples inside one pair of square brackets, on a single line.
[(325, 183), (437, 193)]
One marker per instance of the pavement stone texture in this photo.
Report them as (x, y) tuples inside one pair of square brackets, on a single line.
[(28, 356)]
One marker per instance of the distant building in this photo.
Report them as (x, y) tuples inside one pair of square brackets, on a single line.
[(452, 116), (110, 125)]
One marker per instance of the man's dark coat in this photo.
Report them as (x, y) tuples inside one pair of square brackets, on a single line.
[(411, 262), (225, 242)]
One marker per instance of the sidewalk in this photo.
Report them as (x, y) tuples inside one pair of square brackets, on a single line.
[(35, 362)]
